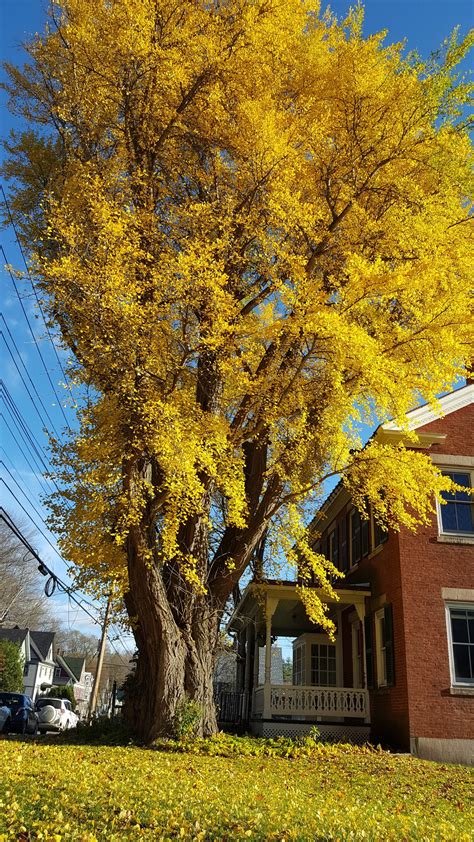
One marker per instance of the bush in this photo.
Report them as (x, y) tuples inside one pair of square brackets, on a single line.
[(102, 730), (11, 667), (62, 693), (186, 718), (228, 745)]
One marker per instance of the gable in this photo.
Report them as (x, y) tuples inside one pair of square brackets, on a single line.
[(43, 642), (424, 416)]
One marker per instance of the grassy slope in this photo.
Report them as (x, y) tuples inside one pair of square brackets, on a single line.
[(64, 792)]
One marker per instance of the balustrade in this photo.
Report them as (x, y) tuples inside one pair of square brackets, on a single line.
[(294, 700)]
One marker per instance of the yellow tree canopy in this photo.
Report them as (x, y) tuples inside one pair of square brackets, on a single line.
[(251, 228)]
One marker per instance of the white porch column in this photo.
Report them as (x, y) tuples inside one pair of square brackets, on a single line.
[(270, 606), (256, 658), (360, 608), (248, 655)]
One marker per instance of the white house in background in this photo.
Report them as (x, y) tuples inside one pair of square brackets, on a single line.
[(37, 650), (70, 671)]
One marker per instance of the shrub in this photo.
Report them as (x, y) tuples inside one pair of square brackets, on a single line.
[(64, 692), (11, 667), (186, 718)]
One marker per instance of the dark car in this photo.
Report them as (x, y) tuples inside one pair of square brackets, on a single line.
[(22, 718)]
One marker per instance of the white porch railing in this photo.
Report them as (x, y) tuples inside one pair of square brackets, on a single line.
[(293, 700)]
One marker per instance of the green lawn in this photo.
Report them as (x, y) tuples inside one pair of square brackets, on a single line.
[(58, 792)]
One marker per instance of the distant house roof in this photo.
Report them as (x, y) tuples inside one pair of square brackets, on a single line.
[(75, 664), (43, 642), (13, 635)]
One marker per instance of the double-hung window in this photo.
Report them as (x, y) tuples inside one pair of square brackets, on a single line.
[(356, 547), (323, 664), (457, 514), (384, 649), (299, 657), (461, 643)]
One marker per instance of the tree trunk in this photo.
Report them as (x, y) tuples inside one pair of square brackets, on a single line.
[(175, 660)]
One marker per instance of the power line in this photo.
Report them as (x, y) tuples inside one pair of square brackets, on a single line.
[(16, 414), (31, 381), (34, 337), (20, 488), (63, 587), (38, 472), (28, 437), (12, 222), (43, 567), (34, 523)]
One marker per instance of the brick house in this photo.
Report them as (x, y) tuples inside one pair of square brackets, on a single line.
[(402, 664)]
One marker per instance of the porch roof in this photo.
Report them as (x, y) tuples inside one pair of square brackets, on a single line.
[(289, 616)]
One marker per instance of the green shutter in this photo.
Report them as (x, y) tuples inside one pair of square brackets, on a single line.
[(390, 655), (369, 651)]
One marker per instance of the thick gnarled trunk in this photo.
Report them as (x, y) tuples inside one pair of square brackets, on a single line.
[(175, 660)]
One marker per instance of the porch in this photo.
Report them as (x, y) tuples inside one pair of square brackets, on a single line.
[(322, 690)]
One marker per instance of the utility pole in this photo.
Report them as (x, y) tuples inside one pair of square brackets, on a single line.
[(100, 660)]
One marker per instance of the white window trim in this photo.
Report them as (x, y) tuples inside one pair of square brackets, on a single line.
[(442, 533), (380, 654), (469, 606)]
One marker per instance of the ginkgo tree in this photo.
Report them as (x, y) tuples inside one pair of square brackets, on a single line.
[(250, 223)]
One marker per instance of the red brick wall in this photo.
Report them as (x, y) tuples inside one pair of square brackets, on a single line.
[(459, 430), (410, 570), (388, 705), (427, 566)]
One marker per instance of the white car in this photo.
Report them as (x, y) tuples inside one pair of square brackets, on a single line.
[(55, 715), (4, 716)]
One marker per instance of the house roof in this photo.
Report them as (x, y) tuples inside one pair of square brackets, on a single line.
[(425, 414), (75, 664), (43, 642), (418, 417), (13, 635)]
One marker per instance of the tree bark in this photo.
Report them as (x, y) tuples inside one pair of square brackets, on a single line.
[(175, 659)]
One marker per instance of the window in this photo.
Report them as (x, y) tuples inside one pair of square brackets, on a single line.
[(380, 535), (355, 538), (457, 514), (344, 543), (384, 647), (299, 672), (365, 536), (323, 664), (333, 547), (381, 649), (461, 642), (356, 654)]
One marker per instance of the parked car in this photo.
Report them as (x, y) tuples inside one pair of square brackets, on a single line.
[(21, 717), (55, 714)]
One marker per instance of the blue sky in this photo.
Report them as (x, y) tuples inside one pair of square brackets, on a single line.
[(423, 24)]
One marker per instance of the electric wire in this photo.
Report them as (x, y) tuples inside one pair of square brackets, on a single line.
[(20, 488), (34, 338), (38, 472), (68, 589), (17, 501), (26, 386), (12, 223), (15, 413), (62, 586)]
